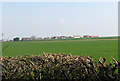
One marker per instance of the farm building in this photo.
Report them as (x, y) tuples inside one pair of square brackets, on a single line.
[(39, 38), (76, 36), (24, 39), (69, 37), (63, 37), (47, 38), (93, 36), (55, 37), (86, 36)]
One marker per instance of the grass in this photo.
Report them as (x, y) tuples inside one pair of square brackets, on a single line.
[(89, 47)]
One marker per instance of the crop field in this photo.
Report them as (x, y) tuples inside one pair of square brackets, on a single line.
[(90, 47)]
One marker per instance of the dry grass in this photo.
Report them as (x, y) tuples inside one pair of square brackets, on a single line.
[(58, 67)]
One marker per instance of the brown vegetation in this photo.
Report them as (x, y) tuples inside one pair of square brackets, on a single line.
[(58, 67)]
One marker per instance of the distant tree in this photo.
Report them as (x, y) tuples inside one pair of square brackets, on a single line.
[(33, 37), (16, 39)]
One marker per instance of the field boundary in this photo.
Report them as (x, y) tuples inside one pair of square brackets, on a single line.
[(74, 40)]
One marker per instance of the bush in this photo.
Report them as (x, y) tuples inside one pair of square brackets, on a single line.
[(58, 67)]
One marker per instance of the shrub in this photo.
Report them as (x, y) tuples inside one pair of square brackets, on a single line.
[(58, 67)]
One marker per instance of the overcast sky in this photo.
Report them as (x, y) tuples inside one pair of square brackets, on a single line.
[(42, 19)]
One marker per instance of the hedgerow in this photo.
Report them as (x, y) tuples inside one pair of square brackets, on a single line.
[(58, 67)]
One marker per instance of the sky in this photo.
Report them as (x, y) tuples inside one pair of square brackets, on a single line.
[(45, 19), (60, 0)]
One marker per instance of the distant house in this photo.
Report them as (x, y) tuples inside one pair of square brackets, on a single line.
[(24, 39), (69, 37), (16, 39), (93, 36), (39, 38), (86, 36), (76, 36), (47, 38), (63, 37), (55, 37)]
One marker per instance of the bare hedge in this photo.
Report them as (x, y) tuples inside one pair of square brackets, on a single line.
[(58, 67)]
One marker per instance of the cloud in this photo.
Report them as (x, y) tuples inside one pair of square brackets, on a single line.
[(62, 20)]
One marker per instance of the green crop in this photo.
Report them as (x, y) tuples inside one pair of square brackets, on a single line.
[(90, 47)]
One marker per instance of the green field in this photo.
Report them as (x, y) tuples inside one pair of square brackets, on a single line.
[(90, 47)]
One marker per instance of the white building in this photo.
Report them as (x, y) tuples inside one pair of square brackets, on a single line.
[(76, 36)]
